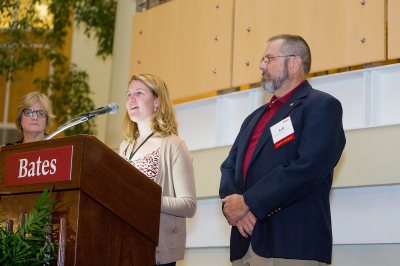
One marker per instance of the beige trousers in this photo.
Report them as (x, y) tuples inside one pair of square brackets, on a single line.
[(252, 259)]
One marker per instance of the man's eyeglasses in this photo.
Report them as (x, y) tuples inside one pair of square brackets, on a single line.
[(30, 113), (267, 59)]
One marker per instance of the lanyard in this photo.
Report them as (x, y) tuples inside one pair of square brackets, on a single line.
[(141, 144)]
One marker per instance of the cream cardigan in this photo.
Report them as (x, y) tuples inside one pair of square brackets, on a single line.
[(176, 178)]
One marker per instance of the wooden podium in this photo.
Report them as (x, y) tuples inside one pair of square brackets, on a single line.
[(112, 209)]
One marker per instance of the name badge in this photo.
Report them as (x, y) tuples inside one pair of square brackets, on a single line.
[(282, 132)]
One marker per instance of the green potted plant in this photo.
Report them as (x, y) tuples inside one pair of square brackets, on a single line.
[(29, 244)]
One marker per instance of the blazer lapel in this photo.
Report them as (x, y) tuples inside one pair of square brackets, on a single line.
[(282, 112), (244, 141)]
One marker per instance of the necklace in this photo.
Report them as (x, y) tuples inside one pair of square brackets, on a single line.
[(141, 144)]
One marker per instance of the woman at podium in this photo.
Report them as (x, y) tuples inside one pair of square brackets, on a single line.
[(151, 145), (34, 117)]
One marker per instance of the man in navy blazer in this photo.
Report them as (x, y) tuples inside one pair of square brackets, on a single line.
[(277, 178)]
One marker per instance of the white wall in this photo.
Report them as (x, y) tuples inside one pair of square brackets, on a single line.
[(360, 215), (120, 69), (83, 54)]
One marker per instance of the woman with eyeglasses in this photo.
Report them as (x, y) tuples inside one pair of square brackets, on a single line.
[(34, 117)]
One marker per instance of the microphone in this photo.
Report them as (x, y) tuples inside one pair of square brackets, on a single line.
[(112, 108)]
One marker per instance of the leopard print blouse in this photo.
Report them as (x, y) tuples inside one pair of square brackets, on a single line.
[(148, 164)]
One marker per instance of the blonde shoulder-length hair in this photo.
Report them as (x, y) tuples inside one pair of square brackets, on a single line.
[(30, 99), (163, 122)]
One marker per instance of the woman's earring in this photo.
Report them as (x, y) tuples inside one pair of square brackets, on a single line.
[(156, 103)]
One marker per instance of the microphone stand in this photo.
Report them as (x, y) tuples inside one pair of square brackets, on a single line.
[(68, 124)]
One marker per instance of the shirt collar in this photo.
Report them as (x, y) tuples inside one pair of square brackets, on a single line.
[(284, 98)]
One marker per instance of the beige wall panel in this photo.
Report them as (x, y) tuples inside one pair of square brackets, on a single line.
[(207, 175), (186, 42), (206, 256), (333, 29), (371, 157), (393, 29)]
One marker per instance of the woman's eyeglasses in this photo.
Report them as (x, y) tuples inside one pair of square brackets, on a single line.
[(30, 113)]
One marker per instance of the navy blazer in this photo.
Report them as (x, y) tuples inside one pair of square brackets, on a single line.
[(288, 188)]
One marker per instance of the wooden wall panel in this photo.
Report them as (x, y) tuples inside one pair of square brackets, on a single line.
[(188, 43), (393, 29), (333, 29)]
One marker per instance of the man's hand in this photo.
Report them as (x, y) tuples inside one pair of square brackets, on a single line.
[(246, 224), (234, 208)]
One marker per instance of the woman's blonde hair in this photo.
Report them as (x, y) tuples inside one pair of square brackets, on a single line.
[(163, 122), (30, 99)]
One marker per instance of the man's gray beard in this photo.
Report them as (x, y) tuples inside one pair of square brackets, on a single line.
[(272, 86), (268, 86)]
